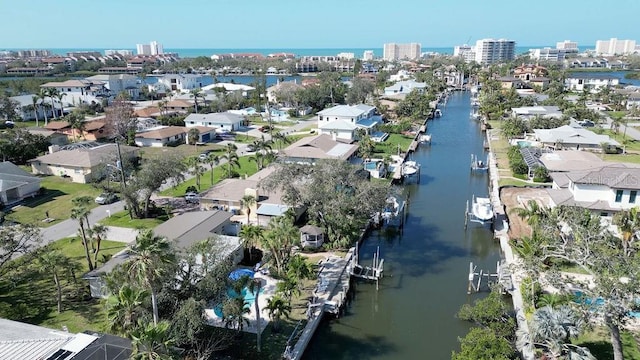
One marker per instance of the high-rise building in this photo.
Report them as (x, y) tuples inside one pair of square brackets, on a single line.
[(153, 48), (548, 54), (367, 55), (118, 52), (465, 51), (393, 51), (490, 51), (568, 46), (615, 47)]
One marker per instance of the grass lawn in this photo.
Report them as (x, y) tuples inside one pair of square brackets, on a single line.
[(30, 296), (247, 167), (56, 199), (513, 182), (390, 146), (600, 346), (632, 144), (122, 219), (628, 158)]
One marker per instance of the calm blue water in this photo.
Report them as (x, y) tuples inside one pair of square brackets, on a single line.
[(297, 51), (412, 316)]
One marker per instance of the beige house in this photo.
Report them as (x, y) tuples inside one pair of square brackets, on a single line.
[(161, 136), (82, 165), (16, 184), (312, 148)]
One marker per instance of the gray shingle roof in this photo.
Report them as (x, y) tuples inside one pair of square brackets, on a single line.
[(83, 158), (189, 228)]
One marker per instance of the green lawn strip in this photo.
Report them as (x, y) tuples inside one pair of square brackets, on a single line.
[(616, 114), (30, 296), (122, 219), (626, 158), (513, 182), (57, 193), (247, 167), (390, 145), (598, 342), (183, 150)]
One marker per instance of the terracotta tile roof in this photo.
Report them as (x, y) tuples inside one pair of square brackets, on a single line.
[(57, 125), (180, 103), (162, 133), (147, 112)]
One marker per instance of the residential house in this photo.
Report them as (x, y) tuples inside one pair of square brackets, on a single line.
[(24, 107), (224, 121), (451, 76), (605, 190), (343, 120), (401, 75), (28, 342), (230, 88), (509, 82), (82, 165), (92, 130), (586, 63), (283, 87), (181, 82), (184, 231), (161, 136), (54, 137), (79, 91), (405, 87), (16, 184), (567, 137), (309, 149), (227, 195), (527, 72), (589, 81), (528, 112), (120, 83), (179, 106)]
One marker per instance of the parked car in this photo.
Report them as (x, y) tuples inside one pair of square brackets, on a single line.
[(106, 198), (266, 128), (586, 123), (251, 148), (192, 197), (205, 154)]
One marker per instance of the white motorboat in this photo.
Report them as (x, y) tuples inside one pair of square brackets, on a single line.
[(425, 138), (437, 113), (393, 212), (410, 168), (482, 210)]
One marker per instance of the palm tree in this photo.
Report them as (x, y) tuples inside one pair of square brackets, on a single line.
[(281, 139), (259, 159), (250, 236), (98, 232), (76, 121), (231, 156), (233, 311), (195, 94), (193, 136), (60, 96), (53, 263), (365, 147), (280, 237), (153, 342), (125, 309), (299, 268), (212, 159), (34, 103), (277, 307), (162, 105), (247, 201), (52, 93), (533, 213), (147, 263), (254, 286), (43, 95), (196, 169), (628, 222), (80, 212)]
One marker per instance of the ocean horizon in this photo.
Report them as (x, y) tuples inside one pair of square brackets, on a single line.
[(196, 52)]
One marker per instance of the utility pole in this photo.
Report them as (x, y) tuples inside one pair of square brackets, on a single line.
[(121, 165)]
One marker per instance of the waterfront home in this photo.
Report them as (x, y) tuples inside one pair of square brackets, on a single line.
[(180, 82), (528, 112), (312, 148), (227, 195), (343, 120), (605, 190), (79, 91), (16, 184), (450, 75), (401, 75), (184, 231), (120, 83), (589, 81), (224, 121), (405, 87), (81, 165), (571, 160), (567, 137), (230, 88)]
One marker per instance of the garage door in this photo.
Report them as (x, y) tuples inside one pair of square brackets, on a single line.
[(206, 137)]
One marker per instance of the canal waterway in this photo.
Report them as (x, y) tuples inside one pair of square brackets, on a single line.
[(412, 315)]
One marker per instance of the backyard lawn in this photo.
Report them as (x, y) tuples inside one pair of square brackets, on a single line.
[(57, 193), (30, 296), (183, 150), (247, 167), (390, 146), (598, 342)]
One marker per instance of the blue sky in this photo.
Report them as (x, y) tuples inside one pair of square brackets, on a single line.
[(309, 24)]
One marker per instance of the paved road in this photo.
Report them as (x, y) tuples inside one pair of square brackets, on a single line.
[(630, 131)]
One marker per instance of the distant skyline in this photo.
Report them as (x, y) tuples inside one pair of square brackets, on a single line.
[(293, 24)]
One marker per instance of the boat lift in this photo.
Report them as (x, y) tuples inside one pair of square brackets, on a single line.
[(470, 216), (479, 165), (502, 276)]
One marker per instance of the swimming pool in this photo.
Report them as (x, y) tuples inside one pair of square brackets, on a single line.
[(249, 298), (580, 298), (524, 143), (371, 165)]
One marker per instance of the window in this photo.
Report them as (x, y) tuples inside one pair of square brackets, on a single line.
[(632, 196), (619, 195)]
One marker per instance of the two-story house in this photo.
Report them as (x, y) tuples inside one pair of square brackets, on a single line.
[(606, 190), (181, 82), (119, 83), (589, 81), (342, 121), (80, 91)]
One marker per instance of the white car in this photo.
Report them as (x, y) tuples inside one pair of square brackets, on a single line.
[(192, 197)]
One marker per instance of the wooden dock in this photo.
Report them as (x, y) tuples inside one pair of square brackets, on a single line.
[(329, 296)]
